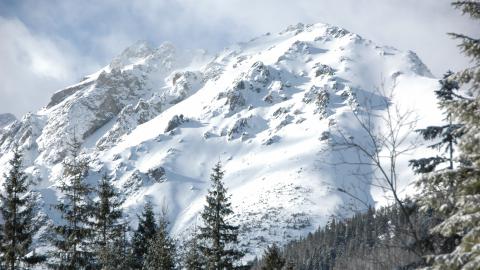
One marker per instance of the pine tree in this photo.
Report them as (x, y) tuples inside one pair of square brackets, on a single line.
[(118, 251), (461, 202), (273, 259), (448, 134), (17, 210), (107, 225), (161, 249), (145, 232), (125, 249), (219, 237), (193, 257), (73, 235)]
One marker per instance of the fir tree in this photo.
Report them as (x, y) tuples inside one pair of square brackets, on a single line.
[(456, 192), (193, 257), (219, 237), (273, 259), (73, 235), (107, 225), (125, 249), (447, 134), (118, 251), (145, 232), (17, 211), (161, 249)]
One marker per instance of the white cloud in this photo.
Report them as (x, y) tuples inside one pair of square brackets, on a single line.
[(32, 67)]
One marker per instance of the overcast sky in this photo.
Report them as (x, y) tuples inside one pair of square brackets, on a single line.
[(46, 44)]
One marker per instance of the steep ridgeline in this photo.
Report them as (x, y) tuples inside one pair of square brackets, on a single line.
[(157, 120), (6, 119)]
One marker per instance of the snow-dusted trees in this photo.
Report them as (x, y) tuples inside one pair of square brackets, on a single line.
[(108, 226), (455, 192), (370, 240), (17, 210), (73, 234), (446, 135), (145, 232), (273, 259), (219, 238), (161, 249), (193, 257)]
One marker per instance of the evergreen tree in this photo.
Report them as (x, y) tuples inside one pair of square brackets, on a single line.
[(73, 235), (17, 210), (193, 257), (125, 249), (145, 232), (219, 237), (448, 134), (107, 225), (273, 258), (161, 249), (460, 202), (118, 254)]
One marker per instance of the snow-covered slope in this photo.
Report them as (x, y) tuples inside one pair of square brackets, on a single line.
[(157, 120), (6, 119)]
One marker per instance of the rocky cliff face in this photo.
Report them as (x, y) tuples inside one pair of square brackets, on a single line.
[(157, 119)]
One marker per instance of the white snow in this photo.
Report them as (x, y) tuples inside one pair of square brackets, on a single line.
[(246, 108)]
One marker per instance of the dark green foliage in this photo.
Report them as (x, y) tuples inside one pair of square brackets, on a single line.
[(273, 259), (376, 239), (17, 210), (118, 253), (446, 135), (193, 257), (107, 226), (219, 238), (469, 7), (73, 235), (143, 235), (455, 192), (161, 249)]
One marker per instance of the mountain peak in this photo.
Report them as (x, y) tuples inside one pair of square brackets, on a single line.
[(6, 119), (140, 51), (265, 108)]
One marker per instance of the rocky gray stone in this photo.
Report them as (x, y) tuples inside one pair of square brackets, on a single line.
[(175, 122)]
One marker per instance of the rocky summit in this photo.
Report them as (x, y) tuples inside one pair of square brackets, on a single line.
[(157, 119)]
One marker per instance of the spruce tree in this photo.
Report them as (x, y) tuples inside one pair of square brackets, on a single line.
[(219, 238), (161, 249), (193, 258), (118, 255), (125, 248), (273, 259), (73, 234), (107, 225), (447, 134), (17, 210), (460, 203), (145, 232)]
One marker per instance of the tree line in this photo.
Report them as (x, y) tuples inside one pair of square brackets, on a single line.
[(94, 234)]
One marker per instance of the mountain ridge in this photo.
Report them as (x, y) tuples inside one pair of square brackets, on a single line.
[(157, 119)]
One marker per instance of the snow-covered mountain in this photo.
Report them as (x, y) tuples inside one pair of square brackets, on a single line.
[(158, 119), (6, 119)]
